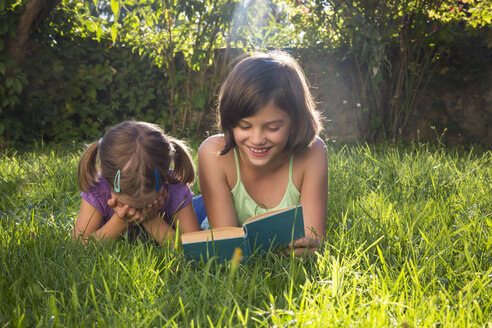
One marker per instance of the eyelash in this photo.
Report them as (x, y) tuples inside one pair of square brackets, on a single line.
[(269, 129)]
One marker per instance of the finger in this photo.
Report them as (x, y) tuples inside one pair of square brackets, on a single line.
[(133, 219), (122, 212), (304, 251), (141, 219), (151, 207), (298, 243), (156, 204), (138, 215), (126, 210), (112, 202), (305, 242)]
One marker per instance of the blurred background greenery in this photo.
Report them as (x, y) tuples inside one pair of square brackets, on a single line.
[(70, 69)]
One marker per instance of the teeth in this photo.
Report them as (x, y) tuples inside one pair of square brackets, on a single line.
[(258, 151)]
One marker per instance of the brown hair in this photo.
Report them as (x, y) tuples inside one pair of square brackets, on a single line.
[(256, 81), (136, 149)]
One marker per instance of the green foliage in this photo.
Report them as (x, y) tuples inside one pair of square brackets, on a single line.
[(12, 79), (78, 87), (185, 39), (99, 62), (181, 38)]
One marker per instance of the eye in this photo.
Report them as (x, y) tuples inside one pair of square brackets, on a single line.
[(243, 126), (273, 128)]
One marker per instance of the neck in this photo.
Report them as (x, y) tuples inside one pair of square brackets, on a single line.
[(264, 171)]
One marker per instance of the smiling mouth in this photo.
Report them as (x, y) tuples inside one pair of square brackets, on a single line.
[(259, 151)]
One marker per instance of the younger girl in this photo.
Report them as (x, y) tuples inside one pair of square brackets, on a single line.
[(132, 190), (269, 156)]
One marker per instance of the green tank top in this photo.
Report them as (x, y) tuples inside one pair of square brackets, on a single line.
[(246, 207)]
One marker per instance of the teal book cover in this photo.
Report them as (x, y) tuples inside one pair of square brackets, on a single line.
[(261, 233)]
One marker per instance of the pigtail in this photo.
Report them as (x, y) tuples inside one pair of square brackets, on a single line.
[(184, 168), (88, 167)]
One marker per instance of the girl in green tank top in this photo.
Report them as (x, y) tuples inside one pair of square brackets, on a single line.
[(269, 155)]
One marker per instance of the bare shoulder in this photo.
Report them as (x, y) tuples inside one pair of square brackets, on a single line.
[(311, 163), (212, 145), (319, 146), (211, 163), (315, 153), (216, 173)]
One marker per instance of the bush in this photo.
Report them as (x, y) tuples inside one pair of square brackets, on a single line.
[(78, 87)]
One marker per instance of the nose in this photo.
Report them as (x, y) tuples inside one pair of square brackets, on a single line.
[(257, 137)]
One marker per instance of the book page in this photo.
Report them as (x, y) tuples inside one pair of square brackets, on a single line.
[(218, 233), (266, 214)]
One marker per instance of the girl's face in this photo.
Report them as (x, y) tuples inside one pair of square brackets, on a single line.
[(261, 138)]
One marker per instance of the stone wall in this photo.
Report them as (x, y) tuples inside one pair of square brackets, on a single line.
[(453, 112)]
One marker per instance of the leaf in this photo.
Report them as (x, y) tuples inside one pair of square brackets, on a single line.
[(98, 33), (92, 93), (115, 7), (17, 86), (114, 33)]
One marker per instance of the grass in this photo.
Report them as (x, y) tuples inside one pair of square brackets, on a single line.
[(408, 244)]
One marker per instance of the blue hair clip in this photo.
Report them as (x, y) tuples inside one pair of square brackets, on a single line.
[(158, 181), (117, 182)]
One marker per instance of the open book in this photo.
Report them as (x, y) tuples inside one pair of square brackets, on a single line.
[(270, 230)]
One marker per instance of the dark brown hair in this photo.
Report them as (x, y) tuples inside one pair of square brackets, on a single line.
[(256, 81), (136, 149)]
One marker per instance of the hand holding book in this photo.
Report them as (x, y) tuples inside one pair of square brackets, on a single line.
[(261, 233)]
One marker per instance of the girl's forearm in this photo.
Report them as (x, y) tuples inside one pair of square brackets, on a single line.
[(160, 230), (113, 229)]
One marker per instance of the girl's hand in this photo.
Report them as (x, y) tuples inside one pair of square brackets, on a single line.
[(152, 210), (138, 216), (306, 245), (125, 212)]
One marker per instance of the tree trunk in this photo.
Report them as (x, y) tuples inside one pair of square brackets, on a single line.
[(34, 13)]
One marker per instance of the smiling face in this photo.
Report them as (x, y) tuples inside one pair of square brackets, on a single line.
[(261, 138)]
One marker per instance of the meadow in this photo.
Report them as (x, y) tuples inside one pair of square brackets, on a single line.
[(409, 244)]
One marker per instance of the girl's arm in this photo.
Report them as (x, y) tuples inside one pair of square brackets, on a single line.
[(314, 195), (89, 223), (160, 229), (213, 184), (186, 219)]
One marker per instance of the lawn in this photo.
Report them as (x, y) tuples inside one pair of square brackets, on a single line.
[(409, 243)]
